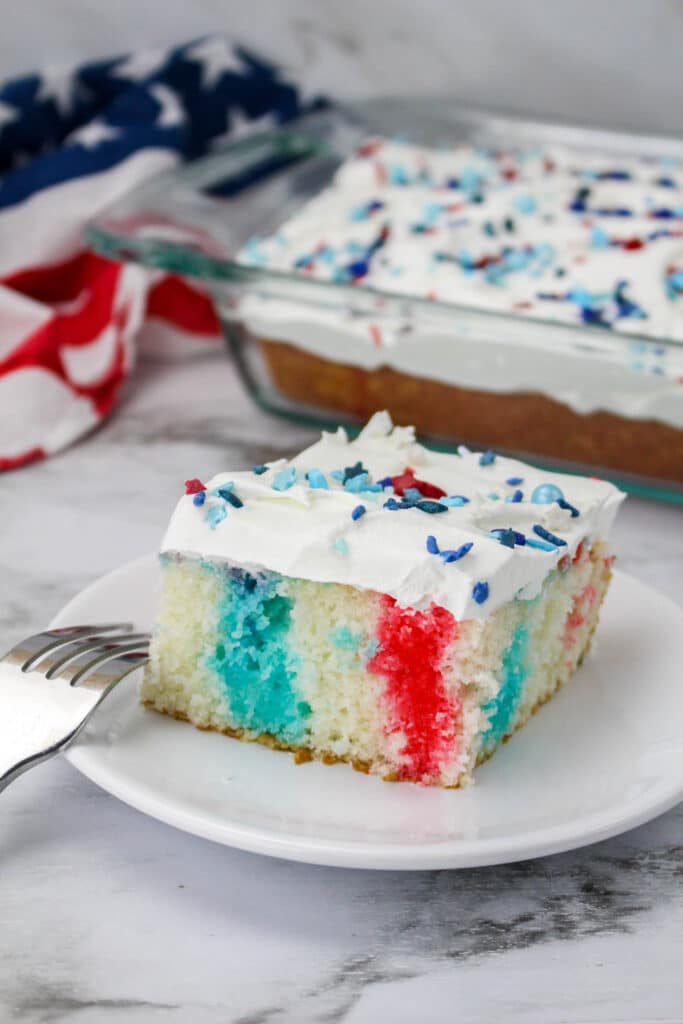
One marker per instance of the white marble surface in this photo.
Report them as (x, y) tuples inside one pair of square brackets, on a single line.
[(598, 61), (107, 916)]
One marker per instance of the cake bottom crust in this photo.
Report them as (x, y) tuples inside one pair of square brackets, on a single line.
[(302, 754), (539, 424)]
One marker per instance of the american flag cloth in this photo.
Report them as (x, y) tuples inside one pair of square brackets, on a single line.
[(73, 140)]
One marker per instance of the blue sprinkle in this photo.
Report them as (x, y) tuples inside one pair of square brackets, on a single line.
[(546, 494), (199, 498), (285, 479), (259, 470), (358, 268), (487, 458), (455, 501), (515, 497), (430, 506), (480, 592), (514, 481), (568, 508), (223, 491), (317, 480), (506, 537), (385, 482), (541, 531), (432, 546), (341, 546), (233, 500), (454, 556), (392, 505), (541, 545), (358, 511), (599, 238), (519, 538), (525, 204), (216, 515)]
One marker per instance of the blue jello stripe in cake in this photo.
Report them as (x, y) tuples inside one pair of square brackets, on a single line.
[(502, 709), (253, 658)]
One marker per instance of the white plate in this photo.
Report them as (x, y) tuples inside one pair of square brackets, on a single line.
[(603, 756)]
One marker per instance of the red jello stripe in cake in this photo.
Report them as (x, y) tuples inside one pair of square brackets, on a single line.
[(412, 646)]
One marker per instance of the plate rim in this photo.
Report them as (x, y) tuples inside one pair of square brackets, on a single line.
[(449, 854)]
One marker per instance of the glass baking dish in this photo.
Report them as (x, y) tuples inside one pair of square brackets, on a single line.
[(569, 396)]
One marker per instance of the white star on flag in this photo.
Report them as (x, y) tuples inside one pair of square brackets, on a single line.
[(8, 114), (239, 126), (139, 66), (171, 111), (215, 58), (92, 135), (59, 85)]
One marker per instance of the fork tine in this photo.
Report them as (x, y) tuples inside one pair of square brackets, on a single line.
[(81, 666), (56, 659), (109, 672), (34, 647)]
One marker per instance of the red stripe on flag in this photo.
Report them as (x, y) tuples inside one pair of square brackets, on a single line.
[(174, 300)]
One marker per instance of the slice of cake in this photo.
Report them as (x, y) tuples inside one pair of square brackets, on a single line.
[(377, 602)]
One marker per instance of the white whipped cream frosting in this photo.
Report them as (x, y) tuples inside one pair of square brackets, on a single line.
[(519, 202), (310, 533)]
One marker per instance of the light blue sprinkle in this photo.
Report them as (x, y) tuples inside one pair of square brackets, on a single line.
[(258, 470), (487, 458), (285, 479), (341, 546), (356, 484), (540, 544), (546, 494), (216, 515), (317, 480), (223, 490), (599, 238), (337, 474), (412, 494), (455, 501), (525, 204)]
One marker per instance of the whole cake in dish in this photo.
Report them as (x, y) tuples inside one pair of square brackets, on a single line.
[(376, 602), (543, 232)]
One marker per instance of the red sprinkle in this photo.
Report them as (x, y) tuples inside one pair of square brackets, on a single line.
[(407, 479), (409, 659), (375, 334), (193, 486), (633, 243), (370, 148)]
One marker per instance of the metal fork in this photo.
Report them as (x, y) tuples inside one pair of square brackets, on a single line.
[(52, 682)]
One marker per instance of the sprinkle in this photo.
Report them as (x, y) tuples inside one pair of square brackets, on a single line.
[(525, 204), (546, 494), (285, 479), (515, 497), (341, 546), (431, 506), (223, 491), (454, 556), (194, 486), (454, 501), (568, 508), (216, 515), (199, 498), (358, 511), (487, 458), (412, 494), (505, 537), (385, 482), (233, 500), (541, 531), (480, 592), (541, 545), (317, 480), (432, 546), (258, 470), (407, 480), (515, 480), (392, 505)]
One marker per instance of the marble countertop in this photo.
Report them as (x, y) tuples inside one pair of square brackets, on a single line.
[(106, 915)]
